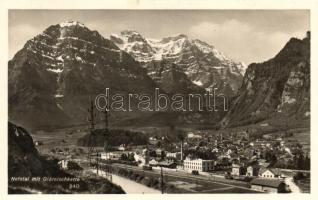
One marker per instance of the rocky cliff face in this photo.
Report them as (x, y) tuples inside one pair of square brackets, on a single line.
[(25, 161), (23, 158), (171, 79), (200, 62), (53, 76), (277, 87)]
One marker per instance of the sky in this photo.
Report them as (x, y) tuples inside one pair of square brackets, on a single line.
[(243, 35)]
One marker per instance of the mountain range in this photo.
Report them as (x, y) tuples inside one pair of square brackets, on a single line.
[(52, 78), (200, 62)]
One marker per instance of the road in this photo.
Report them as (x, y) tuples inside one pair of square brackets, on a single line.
[(196, 184), (292, 186), (129, 186)]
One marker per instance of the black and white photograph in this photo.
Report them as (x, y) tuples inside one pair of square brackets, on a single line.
[(158, 101)]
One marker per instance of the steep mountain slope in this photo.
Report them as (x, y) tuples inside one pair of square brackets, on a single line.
[(279, 87), (53, 76), (24, 159), (171, 78), (202, 63)]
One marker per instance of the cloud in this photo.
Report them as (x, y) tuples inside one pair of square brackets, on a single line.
[(241, 41)]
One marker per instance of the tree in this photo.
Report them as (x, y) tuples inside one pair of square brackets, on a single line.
[(300, 162), (307, 163), (131, 157), (124, 156), (152, 154), (106, 147), (163, 154)]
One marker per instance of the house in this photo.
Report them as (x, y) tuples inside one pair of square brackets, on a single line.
[(271, 173), (198, 164), (175, 155), (223, 163), (244, 141), (253, 170), (122, 147), (269, 185), (153, 162), (38, 143), (168, 164), (263, 163), (229, 152), (110, 155), (194, 136), (267, 137), (153, 141), (238, 169), (139, 158), (159, 152)]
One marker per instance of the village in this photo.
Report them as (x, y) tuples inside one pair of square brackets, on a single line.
[(264, 163), (245, 160)]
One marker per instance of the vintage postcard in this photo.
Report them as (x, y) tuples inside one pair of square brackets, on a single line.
[(144, 100)]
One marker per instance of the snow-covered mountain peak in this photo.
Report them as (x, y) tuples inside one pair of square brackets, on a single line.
[(67, 42), (174, 38), (133, 42), (129, 36), (242, 67), (202, 63), (206, 48), (129, 33), (71, 23)]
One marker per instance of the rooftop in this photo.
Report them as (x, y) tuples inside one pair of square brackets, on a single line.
[(267, 182)]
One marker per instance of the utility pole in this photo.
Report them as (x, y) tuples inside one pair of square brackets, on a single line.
[(106, 115), (161, 175), (97, 165), (182, 149), (92, 115), (91, 119), (110, 174), (106, 119)]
